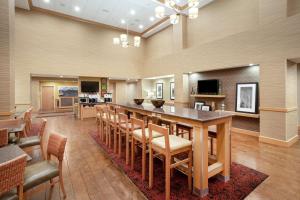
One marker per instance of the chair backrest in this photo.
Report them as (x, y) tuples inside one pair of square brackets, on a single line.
[(3, 137), (138, 123), (161, 130), (12, 174), (120, 110), (10, 123), (27, 121), (112, 116), (56, 146), (123, 119), (42, 128)]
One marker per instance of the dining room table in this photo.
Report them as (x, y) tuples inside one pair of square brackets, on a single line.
[(11, 152), (200, 121)]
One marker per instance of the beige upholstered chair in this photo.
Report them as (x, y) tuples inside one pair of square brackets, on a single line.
[(141, 136), (47, 170), (11, 177), (123, 131), (112, 128), (35, 140), (169, 146), (3, 137)]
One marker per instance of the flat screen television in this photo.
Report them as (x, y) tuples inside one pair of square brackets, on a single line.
[(89, 86), (208, 86)]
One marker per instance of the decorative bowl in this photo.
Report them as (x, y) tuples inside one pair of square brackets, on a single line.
[(158, 103), (138, 101)]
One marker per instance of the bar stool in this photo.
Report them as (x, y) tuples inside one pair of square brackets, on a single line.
[(169, 146), (141, 136), (168, 124), (182, 129), (112, 128), (123, 131), (103, 123)]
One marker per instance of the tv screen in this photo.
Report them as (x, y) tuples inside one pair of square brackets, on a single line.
[(89, 86), (208, 86)]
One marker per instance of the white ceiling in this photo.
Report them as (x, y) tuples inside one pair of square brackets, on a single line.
[(110, 12)]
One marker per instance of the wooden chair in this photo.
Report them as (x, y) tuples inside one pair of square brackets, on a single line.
[(103, 123), (112, 128), (3, 137), (35, 140), (11, 177), (123, 131), (98, 117), (11, 123), (169, 146), (183, 129), (140, 135), (47, 170)]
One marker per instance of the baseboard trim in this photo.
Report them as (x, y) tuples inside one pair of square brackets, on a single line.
[(277, 142), (245, 132)]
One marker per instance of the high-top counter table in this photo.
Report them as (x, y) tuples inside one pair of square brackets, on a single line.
[(200, 120)]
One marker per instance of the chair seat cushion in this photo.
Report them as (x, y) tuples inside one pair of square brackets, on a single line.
[(29, 141), (138, 133), (175, 142), (11, 195), (123, 126), (40, 172)]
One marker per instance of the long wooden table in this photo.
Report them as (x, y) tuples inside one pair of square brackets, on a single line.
[(200, 120)]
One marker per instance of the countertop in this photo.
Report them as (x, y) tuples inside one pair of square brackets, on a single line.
[(179, 111)]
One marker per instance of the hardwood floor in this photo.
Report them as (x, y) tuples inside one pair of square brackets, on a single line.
[(89, 174)]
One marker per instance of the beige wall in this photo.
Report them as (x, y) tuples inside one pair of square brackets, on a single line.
[(47, 44), (149, 85), (123, 91), (7, 90), (293, 7), (298, 87)]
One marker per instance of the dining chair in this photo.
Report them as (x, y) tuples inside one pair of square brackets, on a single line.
[(141, 136), (3, 137), (27, 121), (103, 123), (47, 170), (123, 131), (169, 146), (11, 123), (12, 176), (183, 129), (35, 140), (98, 117)]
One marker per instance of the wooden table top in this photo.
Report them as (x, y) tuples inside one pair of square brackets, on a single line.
[(10, 152), (187, 113)]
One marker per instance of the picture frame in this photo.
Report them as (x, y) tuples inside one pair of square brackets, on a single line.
[(247, 98), (198, 105), (206, 108), (159, 90), (172, 90)]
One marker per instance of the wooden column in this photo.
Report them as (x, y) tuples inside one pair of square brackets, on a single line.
[(181, 89), (180, 34), (7, 80)]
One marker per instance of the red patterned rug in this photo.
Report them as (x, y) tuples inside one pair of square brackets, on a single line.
[(242, 182)]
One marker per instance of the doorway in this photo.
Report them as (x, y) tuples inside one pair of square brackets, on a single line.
[(47, 98)]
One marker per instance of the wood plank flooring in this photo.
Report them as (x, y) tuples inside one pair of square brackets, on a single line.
[(90, 175)]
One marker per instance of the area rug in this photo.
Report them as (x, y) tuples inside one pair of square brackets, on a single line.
[(243, 179)]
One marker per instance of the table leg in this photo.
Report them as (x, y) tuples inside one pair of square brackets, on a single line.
[(200, 160), (223, 148)]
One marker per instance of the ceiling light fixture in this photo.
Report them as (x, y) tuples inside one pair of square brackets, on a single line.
[(123, 21), (77, 8), (47, 1), (193, 10), (132, 12), (151, 19), (123, 39)]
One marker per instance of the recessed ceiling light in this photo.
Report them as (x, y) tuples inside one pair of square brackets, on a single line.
[(151, 19), (141, 26), (77, 8), (123, 21), (61, 76), (132, 12), (47, 1)]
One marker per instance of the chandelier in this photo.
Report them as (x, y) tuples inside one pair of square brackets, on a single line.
[(123, 40), (174, 18)]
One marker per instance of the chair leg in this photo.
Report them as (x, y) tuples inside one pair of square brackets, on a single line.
[(144, 161), (190, 165), (120, 143), (167, 176), (20, 192), (115, 140), (150, 167), (211, 146), (109, 134), (127, 149), (132, 152), (62, 186)]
